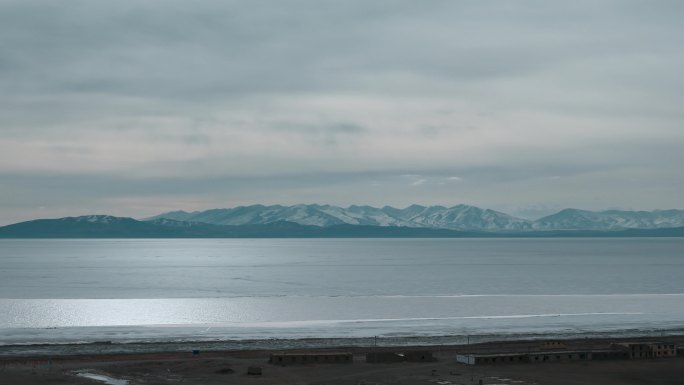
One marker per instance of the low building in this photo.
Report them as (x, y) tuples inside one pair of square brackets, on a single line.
[(311, 358), (648, 349), (617, 351), (609, 354), (392, 357), (519, 357), (492, 358), (559, 356)]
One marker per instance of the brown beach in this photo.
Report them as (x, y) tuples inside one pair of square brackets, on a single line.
[(230, 367)]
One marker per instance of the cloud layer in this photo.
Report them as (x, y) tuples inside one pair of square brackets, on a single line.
[(132, 108)]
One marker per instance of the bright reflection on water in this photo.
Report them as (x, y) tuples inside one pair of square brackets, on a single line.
[(237, 312)]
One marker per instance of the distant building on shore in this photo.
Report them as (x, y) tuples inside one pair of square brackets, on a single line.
[(617, 351), (311, 358), (650, 349), (519, 357), (390, 357)]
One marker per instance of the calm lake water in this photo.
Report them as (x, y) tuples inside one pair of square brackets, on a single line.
[(207, 289)]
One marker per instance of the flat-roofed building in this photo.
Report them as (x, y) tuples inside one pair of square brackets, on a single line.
[(410, 356), (556, 356), (493, 358), (609, 354), (648, 349), (616, 351), (519, 357), (311, 358)]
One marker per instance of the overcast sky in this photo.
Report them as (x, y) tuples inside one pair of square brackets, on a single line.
[(139, 107)]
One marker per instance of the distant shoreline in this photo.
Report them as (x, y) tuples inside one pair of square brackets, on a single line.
[(105, 348), (332, 232)]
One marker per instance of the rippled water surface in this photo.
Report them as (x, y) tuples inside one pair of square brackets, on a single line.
[(82, 290)]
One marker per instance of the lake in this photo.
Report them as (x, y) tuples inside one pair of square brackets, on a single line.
[(56, 291)]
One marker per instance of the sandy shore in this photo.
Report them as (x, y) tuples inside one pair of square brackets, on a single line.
[(230, 367)]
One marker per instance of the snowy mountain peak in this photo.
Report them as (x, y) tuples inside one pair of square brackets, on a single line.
[(97, 219)]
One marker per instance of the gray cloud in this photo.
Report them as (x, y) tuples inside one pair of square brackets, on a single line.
[(160, 104)]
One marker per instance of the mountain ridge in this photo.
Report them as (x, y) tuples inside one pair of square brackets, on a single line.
[(105, 226), (460, 217)]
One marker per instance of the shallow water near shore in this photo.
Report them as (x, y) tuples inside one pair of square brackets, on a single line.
[(80, 291)]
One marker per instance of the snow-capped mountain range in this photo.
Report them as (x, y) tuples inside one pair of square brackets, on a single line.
[(460, 217)]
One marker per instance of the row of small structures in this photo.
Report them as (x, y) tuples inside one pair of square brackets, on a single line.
[(348, 358), (618, 351), (550, 351)]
